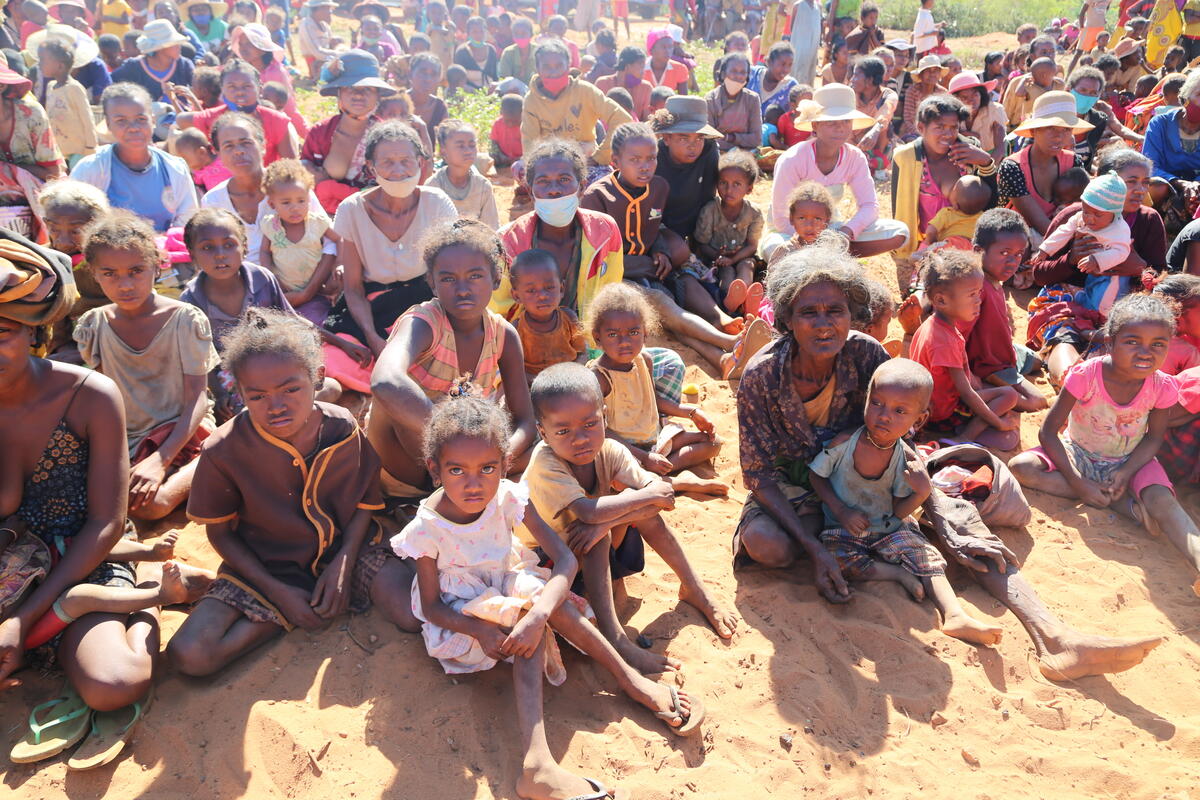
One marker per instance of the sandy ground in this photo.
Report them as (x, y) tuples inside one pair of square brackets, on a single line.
[(807, 700)]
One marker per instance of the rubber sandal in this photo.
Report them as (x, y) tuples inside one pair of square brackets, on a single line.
[(754, 298), (47, 739), (111, 731), (691, 725), (758, 334), (735, 295), (599, 792)]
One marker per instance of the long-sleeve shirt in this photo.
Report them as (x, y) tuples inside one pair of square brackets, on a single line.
[(314, 39), (1147, 233), (573, 115), (1114, 237), (1164, 147), (800, 164), (71, 119), (740, 116)]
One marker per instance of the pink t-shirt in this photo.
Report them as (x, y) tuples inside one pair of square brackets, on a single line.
[(799, 163), (274, 123), (1181, 355), (939, 347), (1101, 426)]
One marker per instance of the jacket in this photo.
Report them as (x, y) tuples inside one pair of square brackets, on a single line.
[(181, 201), (572, 115)]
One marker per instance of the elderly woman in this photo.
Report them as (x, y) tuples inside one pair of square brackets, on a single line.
[(630, 76), (241, 89), (773, 81), (1071, 338), (1172, 136), (136, 176), (986, 119), (733, 109), (810, 385), (380, 230), (160, 62), (879, 103), (333, 149), (253, 43)]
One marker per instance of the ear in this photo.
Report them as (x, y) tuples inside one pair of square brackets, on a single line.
[(320, 377), (434, 472), (921, 420)]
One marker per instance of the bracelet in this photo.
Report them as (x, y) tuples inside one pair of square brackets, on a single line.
[(692, 413)]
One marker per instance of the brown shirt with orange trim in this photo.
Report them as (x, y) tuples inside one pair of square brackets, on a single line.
[(290, 512), (637, 212)]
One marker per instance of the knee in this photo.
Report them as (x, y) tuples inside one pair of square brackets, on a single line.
[(768, 547), (191, 656), (156, 509), (1025, 466), (124, 681)]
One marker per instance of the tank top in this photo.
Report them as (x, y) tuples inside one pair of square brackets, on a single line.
[(631, 408)]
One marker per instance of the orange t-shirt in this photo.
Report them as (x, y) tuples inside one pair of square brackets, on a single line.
[(675, 73)]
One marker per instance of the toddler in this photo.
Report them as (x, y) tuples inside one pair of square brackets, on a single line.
[(549, 332), (1022, 92), (110, 50), (1115, 409), (399, 106), (1183, 292), (158, 351), (505, 137), (66, 101), (1100, 218), (592, 492), (1068, 187), (955, 224), (299, 245), (728, 231), (658, 98), (471, 192), (870, 483), (875, 316), (618, 320), (257, 482), (800, 105), (68, 208), (960, 406), (770, 130), (207, 170), (810, 210)]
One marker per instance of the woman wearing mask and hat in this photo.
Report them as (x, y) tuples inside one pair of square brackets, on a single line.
[(829, 159), (253, 42), (315, 34), (159, 64), (987, 121), (204, 18)]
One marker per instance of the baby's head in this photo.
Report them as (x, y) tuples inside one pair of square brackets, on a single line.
[(659, 96), (1102, 40), (1103, 200), (536, 283), (1109, 66), (1183, 290), (397, 106), (876, 314), (618, 320), (737, 173), (511, 107), (276, 361), (772, 115), (810, 210), (621, 96), (970, 195), (1068, 187), (1002, 241), (456, 77), (206, 85), (68, 207), (569, 408), (123, 256), (953, 281), (276, 94), (129, 48), (457, 143), (897, 400), (466, 449), (1043, 70), (1138, 331), (464, 260), (288, 186), (1170, 88), (801, 91), (193, 147)]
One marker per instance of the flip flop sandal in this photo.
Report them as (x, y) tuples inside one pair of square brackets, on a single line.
[(111, 730), (600, 793), (50, 737), (735, 295), (758, 334), (754, 298), (691, 725)]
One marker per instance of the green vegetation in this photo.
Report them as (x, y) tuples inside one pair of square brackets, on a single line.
[(479, 109), (973, 18)]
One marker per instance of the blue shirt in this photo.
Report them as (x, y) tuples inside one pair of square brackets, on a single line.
[(142, 192), (1164, 148), (94, 77)]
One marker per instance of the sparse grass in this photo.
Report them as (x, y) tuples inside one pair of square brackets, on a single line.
[(975, 18), (478, 109)]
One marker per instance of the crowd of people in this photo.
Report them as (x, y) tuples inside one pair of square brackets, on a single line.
[(372, 384)]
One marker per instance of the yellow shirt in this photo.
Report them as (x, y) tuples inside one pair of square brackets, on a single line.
[(116, 8), (572, 115), (71, 119)]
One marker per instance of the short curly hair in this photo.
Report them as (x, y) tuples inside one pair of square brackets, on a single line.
[(742, 161), (942, 267), (121, 229), (619, 298), (286, 170), (567, 379), (810, 192), (553, 148), (468, 233), (827, 260), (466, 417), (392, 130), (269, 332)]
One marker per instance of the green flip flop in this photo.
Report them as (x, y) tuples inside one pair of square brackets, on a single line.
[(111, 730), (67, 724)]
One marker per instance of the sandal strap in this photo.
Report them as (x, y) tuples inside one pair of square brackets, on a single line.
[(38, 728)]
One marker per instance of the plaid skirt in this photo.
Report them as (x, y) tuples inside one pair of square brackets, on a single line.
[(1180, 453), (905, 546)]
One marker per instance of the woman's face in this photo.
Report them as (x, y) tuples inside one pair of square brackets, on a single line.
[(1052, 140), (737, 70), (396, 160), (684, 148), (969, 98), (637, 68), (1088, 87), (552, 178), (425, 78), (248, 51), (1137, 185), (662, 48), (358, 101), (833, 132), (820, 321), (939, 134), (240, 89), (65, 226), (240, 149), (781, 66), (129, 122), (15, 341)]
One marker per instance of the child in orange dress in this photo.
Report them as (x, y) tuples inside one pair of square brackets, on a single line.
[(550, 333)]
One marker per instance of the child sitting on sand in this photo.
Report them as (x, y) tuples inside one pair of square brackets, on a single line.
[(592, 492), (260, 479), (870, 483), (960, 407), (955, 224), (549, 332), (618, 320), (466, 186), (810, 210), (482, 598), (728, 231), (158, 351)]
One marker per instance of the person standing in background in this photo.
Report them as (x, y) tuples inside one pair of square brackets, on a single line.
[(806, 40)]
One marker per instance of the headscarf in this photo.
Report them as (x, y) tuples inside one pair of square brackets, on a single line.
[(38, 285)]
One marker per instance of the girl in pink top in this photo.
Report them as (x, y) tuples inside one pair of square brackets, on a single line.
[(1184, 291)]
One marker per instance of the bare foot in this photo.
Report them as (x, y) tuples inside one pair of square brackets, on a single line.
[(171, 590), (909, 314), (723, 621), (1075, 655), (883, 571), (646, 662), (687, 481), (162, 548), (195, 580), (657, 697), (549, 781), (969, 629)]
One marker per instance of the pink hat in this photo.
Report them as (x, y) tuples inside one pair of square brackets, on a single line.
[(257, 35), (13, 85), (654, 36), (968, 80)]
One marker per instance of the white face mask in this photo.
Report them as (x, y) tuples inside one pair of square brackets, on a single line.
[(557, 212), (732, 87), (402, 188)]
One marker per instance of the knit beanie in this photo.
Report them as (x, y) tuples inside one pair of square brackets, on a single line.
[(1106, 193)]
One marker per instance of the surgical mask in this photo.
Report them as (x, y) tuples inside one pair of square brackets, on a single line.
[(1083, 103), (632, 81), (557, 212), (370, 40), (522, 42), (1192, 113), (732, 86), (201, 18), (243, 109), (401, 188), (556, 85), (476, 42)]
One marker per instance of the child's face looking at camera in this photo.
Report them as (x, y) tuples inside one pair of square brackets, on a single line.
[(1003, 257), (125, 276), (463, 280), (65, 226), (218, 251), (892, 411), (732, 185), (290, 201), (684, 148), (469, 469), (1139, 348), (809, 219), (573, 427), (637, 161), (278, 393), (460, 149), (959, 300), (539, 290), (621, 335)]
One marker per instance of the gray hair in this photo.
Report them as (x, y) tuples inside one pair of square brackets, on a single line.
[(1191, 87), (67, 194), (827, 260)]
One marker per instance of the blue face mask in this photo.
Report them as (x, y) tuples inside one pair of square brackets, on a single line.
[(243, 109), (202, 17), (1083, 103)]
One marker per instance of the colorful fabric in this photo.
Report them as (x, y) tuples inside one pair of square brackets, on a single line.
[(563, 343), (905, 546), (437, 369)]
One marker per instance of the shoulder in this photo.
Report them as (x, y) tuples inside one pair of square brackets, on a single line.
[(337, 419), (434, 201), (598, 221)]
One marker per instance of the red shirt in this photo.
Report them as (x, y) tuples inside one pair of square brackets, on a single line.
[(507, 138), (989, 339), (275, 127), (939, 347), (787, 130)]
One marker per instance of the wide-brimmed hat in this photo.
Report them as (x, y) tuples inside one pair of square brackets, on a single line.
[(354, 68), (968, 80), (219, 8), (1125, 48), (690, 116), (838, 102), (927, 62), (899, 44), (86, 49), (13, 84), (370, 7), (73, 3), (157, 35), (259, 37), (1053, 110)]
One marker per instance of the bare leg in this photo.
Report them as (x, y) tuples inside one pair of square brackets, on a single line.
[(597, 575), (330, 391), (697, 299), (691, 448), (1029, 398), (708, 352), (391, 593), (868, 249), (1163, 507), (213, 636), (692, 589), (88, 598), (884, 571), (685, 323), (770, 545), (1031, 472), (956, 621), (170, 495), (398, 444), (1061, 358), (1001, 400)]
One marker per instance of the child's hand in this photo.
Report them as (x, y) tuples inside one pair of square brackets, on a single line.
[(583, 536), (144, 479), (662, 265), (163, 548), (722, 261), (222, 406), (1093, 494), (917, 478), (657, 463), (331, 596), (492, 640), (856, 522), (703, 423), (361, 355), (525, 637), (1089, 265), (375, 343), (1118, 483), (293, 603), (662, 494)]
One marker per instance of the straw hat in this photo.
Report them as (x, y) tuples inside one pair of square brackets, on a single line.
[(1125, 48), (691, 116), (259, 37), (837, 102), (373, 8), (158, 35), (217, 7), (899, 44), (1053, 110), (86, 49), (355, 68), (968, 80), (927, 62)]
